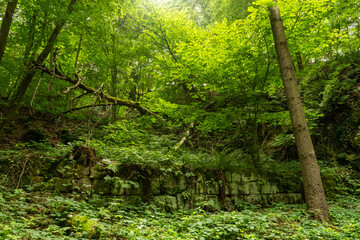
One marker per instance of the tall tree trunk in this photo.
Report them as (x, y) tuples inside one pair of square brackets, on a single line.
[(24, 84), (5, 25), (313, 188)]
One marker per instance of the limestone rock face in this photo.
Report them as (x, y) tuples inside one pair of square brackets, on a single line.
[(170, 189), (83, 184), (169, 203)]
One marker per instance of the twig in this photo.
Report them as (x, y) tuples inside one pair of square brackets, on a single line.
[(77, 109), (75, 86), (22, 172), (35, 91), (187, 134)]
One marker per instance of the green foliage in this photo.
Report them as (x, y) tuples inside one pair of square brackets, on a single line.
[(288, 174), (25, 160), (340, 180), (227, 160), (331, 95), (184, 61), (282, 140), (36, 217)]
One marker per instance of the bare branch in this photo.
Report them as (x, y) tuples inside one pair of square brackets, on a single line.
[(103, 95), (77, 109), (75, 86)]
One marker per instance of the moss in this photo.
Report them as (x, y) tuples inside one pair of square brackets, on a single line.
[(82, 224), (168, 203), (60, 185)]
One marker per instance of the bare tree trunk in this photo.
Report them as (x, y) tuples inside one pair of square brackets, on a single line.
[(313, 188), (17, 97), (5, 25)]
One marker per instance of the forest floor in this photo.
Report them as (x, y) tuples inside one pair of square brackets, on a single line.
[(27, 216)]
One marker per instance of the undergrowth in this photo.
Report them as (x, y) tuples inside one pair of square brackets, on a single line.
[(28, 216)]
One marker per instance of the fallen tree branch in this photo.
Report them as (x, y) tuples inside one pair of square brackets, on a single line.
[(75, 86), (184, 138), (34, 94), (27, 157), (100, 94), (80, 108)]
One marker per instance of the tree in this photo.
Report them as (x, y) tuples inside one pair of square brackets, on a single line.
[(313, 188), (5, 25), (17, 97)]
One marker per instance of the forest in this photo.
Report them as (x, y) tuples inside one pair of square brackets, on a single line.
[(180, 119)]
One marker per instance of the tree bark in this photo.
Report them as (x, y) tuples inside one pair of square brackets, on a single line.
[(5, 25), (313, 188), (24, 84)]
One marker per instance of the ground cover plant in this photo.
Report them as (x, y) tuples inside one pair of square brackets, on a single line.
[(33, 216)]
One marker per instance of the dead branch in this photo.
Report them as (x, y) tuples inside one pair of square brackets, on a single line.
[(77, 109), (103, 95), (75, 86), (27, 157), (186, 135), (34, 94)]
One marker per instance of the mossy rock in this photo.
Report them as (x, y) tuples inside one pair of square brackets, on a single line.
[(229, 205), (234, 189), (133, 188), (201, 187), (211, 204), (168, 203), (117, 189), (134, 200), (291, 198), (155, 185), (101, 187), (97, 171), (237, 177), (171, 184), (83, 185), (212, 187), (254, 199), (268, 187), (248, 188), (60, 185)]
